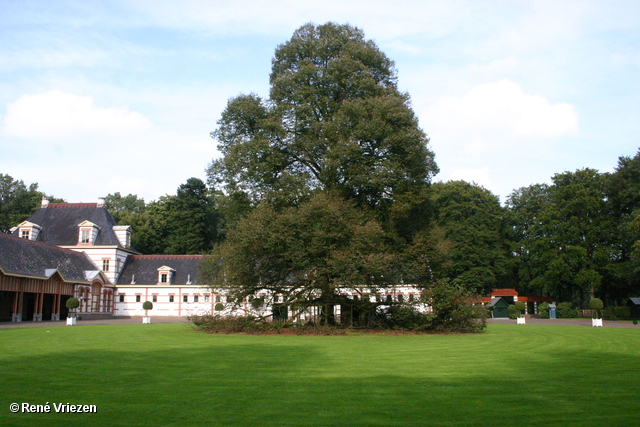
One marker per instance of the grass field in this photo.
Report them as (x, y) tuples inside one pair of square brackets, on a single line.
[(171, 375)]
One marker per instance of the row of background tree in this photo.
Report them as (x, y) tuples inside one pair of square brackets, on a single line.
[(575, 238)]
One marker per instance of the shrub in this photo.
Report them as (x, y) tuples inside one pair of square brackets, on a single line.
[(543, 310), (219, 307), (454, 309), (514, 313), (596, 304), (565, 310), (516, 310), (617, 313), (253, 325), (623, 312), (72, 303), (147, 305), (402, 317)]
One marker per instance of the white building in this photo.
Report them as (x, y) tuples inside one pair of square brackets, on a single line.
[(122, 279)]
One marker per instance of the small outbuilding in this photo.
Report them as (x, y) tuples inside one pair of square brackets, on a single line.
[(499, 308), (634, 307)]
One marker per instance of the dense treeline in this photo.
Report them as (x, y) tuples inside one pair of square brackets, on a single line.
[(574, 239)]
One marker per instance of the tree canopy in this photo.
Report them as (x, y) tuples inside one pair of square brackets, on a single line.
[(334, 121), (333, 165)]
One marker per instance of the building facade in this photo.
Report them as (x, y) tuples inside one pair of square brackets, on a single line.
[(83, 253)]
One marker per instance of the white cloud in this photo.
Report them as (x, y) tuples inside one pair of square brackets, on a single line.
[(56, 115), (494, 111), (495, 134)]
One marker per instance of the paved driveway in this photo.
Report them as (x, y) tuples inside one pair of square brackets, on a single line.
[(114, 321), (567, 322)]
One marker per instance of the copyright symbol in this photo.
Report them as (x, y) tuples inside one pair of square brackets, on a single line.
[(14, 407)]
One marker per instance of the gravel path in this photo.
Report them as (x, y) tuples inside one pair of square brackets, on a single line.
[(567, 322)]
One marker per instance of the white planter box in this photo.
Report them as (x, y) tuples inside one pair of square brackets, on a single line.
[(520, 320), (71, 321), (596, 323), (146, 319)]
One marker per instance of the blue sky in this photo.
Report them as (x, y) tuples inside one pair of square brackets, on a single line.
[(98, 97)]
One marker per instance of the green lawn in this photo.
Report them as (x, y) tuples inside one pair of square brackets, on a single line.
[(170, 375)]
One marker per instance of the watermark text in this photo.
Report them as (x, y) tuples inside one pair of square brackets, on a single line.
[(58, 408)]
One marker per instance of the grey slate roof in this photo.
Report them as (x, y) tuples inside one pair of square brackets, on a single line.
[(145, 269), (636, 301), (59, 222), (36, 259), (494, 301)]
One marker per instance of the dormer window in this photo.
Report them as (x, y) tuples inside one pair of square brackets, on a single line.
[(88, 232), (28, 230), (165, 275), (123, 233)]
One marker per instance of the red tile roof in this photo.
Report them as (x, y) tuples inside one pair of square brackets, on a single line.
[(504, 293)]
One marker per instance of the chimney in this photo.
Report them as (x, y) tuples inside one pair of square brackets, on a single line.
[(45, 202), (100, 202)]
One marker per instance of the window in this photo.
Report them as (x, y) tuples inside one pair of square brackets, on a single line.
[(154, 298), (137, 298), (163, 277), (185, 298), (400, 298), (170, 298), (195, 298), (121, 298), (206, 298), (85, 235), (411, 297), (218, 299), (24, 234), (105, 265)]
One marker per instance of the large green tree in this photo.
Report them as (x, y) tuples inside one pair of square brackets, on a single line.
[(565, 235), (331, 173), (304, 254), (335, 121), (185, 223), (623, 196), (472, 221)]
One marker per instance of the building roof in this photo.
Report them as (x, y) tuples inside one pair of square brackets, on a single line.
[(59, 223), (24, 257), (143, 269), (504, 293), (495, 301)]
